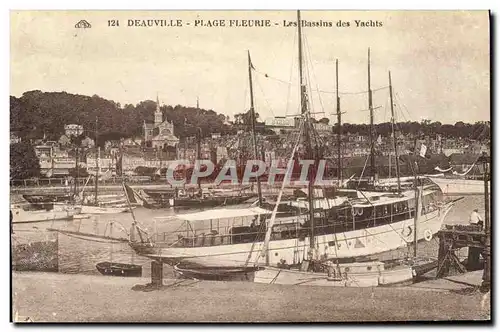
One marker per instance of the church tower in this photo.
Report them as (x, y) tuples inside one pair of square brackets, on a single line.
[(158, 114)]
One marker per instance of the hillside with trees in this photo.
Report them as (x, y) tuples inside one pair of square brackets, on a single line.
[(38, 113)]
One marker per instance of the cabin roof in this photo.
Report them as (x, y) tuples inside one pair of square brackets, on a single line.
[(385, 199), (223, 213)]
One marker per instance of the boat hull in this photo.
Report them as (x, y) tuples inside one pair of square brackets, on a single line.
[(191, 271), (351, 244), (119, 269), (365, 275), (39, 199), (452, 186), (89, 209), (21, 216)]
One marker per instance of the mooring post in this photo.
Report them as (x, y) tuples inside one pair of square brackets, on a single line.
[(485, 286), (156, 273)]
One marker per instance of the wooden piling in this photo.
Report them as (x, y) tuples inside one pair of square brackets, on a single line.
[(156, 273), (453, 238)]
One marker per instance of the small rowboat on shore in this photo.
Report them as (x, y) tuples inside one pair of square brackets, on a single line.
[(119, 269)]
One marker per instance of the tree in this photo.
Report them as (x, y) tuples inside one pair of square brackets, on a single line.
[(324, 121), (244, 119), (24, 163)]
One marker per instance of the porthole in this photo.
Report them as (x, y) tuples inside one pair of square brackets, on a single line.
[(369, 268), (346, 269), (275, 254)]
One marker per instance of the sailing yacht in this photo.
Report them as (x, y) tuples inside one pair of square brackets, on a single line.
[(95, 204), (352, 229)]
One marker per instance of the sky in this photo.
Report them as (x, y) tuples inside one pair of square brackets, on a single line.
[(439, 61)]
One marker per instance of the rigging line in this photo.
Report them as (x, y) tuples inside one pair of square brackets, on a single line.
[(245, 98), (309, 59), (401, 105), (264, 96), (262, 228), (363, 171), (385, 106), (321, 91), (398, 106), (90, 240)]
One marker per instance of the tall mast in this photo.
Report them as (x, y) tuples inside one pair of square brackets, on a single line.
[(309, 152), (370, 107), (96, 162), (339, 123), (394, 139), (252, 115), (198, 150), (416, 216)]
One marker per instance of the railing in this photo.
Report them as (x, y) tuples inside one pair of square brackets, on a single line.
[(58, 182), (212, 237)]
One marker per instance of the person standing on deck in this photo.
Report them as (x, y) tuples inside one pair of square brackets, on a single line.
[(475, 218)]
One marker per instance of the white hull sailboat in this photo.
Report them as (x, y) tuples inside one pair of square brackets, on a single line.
[(366, 274), (354, 243), (92, 209), (458, 186), (63, 212)]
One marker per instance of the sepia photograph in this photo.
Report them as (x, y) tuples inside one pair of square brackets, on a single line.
[(250, 166)]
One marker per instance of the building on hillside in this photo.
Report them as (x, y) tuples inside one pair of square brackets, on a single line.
[(159, 134), (73, 130), (106, 162)]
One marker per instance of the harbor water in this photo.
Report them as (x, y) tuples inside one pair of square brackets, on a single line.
[(77, 255)]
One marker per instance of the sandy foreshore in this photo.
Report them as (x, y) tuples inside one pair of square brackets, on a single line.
[(53, 297)]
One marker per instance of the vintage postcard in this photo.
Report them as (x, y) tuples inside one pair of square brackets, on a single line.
[(250, 166)]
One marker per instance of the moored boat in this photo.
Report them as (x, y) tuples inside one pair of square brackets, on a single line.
[(459, 186), (48, 198), (92, 209), (357, 274), (59, 212), (212, 201), (367, 228), (221, 273), (119, 269)]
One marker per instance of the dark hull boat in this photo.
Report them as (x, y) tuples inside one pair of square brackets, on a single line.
[(166, 199), (219, 273), (41, 199), (119, 269)]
